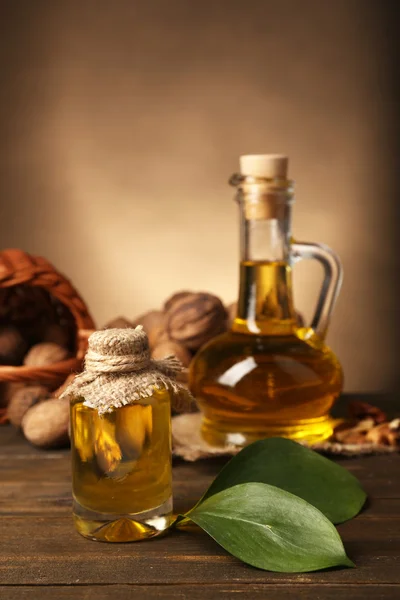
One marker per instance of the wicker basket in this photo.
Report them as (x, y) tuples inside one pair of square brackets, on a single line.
[(18, 268)]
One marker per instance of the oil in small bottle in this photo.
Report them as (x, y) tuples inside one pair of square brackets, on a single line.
[(121, 469)]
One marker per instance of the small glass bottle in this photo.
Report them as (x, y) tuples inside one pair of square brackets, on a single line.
[(268, 376), (121, 439)]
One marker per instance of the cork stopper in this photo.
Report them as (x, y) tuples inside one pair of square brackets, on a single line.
[(263, 200), (270, 166)]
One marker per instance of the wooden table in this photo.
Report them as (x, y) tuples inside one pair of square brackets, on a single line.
[(42, 557)]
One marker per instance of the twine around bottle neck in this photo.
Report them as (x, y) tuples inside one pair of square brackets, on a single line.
[(97, 364), (129, 363)]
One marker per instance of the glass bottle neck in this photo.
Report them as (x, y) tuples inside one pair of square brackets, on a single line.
[(265, 305), (266, 239)]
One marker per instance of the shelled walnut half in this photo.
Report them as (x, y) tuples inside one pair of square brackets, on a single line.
[(368, 425)]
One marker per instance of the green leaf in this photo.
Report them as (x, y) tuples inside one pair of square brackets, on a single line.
[(298, 470), (271, 529)]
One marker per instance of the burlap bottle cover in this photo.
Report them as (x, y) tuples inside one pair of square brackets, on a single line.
[(119, 371)]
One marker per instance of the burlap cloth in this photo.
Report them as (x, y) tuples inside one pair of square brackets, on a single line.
[(188, 444), (119, 371)]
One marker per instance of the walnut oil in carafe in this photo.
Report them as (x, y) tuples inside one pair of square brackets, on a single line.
[(121, 469), (267, 376)]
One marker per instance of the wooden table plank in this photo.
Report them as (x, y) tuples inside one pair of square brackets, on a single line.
[(47, 550), (206, 592), (40, 481), (42, 556)]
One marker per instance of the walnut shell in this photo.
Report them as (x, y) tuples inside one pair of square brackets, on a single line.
[(153, 323), (157, 336), (44, 354), (176, 298), (192, 319), (46, 424), (23, 399), (12, 346), (118, 323), (168, 348)]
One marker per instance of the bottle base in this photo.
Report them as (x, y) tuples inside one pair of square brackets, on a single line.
[(311, 431), (108, 527)]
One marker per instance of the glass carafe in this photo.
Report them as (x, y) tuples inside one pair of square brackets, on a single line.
[(268, 376)]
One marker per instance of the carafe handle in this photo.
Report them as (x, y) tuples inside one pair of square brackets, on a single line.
[(333, 276)]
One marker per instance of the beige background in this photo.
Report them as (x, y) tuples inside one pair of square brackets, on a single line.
[(123, 120)]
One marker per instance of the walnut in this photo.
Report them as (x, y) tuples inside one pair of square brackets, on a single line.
[(153, 323), (353, 433), (12, 346), (23, 399), (363, 410), (44, 354), (193, 319), (56, 334), (46, 424), (169, 348), (174, 298), (118, 323), (385, 434)]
